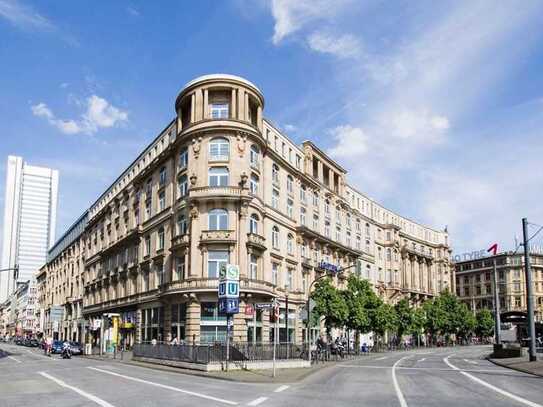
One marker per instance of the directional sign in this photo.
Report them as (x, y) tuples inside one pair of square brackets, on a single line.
[(263, 305), (493, 249)]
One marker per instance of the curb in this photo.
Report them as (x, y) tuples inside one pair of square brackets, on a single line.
[(518, 369)]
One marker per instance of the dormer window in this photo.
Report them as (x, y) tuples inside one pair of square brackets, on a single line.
[(219, 110)]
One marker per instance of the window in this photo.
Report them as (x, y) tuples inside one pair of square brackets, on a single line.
[(147, 210), (380, 253), (367, 229), (275, 237), (275, 272), (338, 215), (253, 223), (183, 158), (298, 161), (289, 279), (358, 243), (327, 207), (303, 249), (316, 199), (147, 246), (219, 149), (162, 177), (179, 268), (348, 241), (303, 194), (315, 222), (254, 184), (327, 229), (302, 216), (218, 176), (338, 234), (215, 260), (290, 244), (290, 208), (389, 255), (275, 199), (182, 224), (182, 186), (219, 110), (290, 184), (160, 240), (253, 267), (218, 219), (161, 200), (254, 156), (275, 173)]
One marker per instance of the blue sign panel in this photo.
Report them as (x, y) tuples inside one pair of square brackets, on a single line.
[(329, 267), (228, 289), (229, 305), (222, 289)]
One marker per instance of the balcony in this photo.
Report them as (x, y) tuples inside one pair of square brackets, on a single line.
[(218, 236), (223, 192), (256, 241), (193, 284), (179, 242), (307, 262)]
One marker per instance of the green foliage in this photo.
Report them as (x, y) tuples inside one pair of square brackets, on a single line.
[(330, 304), (405, 316), (360, 300), (383, 319), (484, 326)]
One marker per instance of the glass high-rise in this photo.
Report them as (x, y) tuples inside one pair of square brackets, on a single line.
[(30, 208)]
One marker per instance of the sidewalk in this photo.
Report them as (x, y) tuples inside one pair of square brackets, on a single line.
[(521, 364)]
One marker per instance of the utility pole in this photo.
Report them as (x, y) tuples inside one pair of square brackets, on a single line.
[(496, 305), (529, 294)]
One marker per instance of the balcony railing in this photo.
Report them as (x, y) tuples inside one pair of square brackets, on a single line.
[(256, 240), (218, 192), (180, 241)]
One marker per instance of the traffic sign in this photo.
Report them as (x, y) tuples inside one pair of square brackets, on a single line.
[(249, 310), (229, 272), (229, 289), (263, 305), (229, 305)]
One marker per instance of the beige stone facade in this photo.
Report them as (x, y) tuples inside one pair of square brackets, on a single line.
[(474, 282), (221, 184)]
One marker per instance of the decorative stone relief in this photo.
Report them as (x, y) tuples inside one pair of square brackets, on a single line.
[(241, 143), (196, 146), (194, 211)]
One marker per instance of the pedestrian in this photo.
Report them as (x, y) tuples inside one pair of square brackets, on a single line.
[(174, 341), (153, 342)]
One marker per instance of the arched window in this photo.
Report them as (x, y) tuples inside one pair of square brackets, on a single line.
[(275, 173), (253, 223), (219, 149), (290, 244), (275, 237), (253, 267), (254, 183), (290, 184), (254, 156), (218, 177), (303, 194), (218, 219)]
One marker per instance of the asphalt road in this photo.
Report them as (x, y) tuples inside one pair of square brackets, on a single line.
[(435, 377)]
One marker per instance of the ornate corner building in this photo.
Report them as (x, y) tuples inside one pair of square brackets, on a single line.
[(220, 184)]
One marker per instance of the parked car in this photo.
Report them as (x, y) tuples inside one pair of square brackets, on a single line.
[(57, 346), (33, 343), (76, 348)]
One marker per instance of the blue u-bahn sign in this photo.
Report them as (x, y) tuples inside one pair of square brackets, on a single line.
[(329, 267)]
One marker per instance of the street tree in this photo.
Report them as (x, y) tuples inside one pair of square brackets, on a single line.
[(404, 314), (484, 326), (330, 304)]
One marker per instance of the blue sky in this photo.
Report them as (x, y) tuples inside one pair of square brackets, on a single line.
[(435, 108)]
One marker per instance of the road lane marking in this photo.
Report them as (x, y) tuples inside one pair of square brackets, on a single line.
[(42, 356), (257, 401), (422, 360), (470, 361), (399, 393), (164, 386), (12, 358), (442, 369), (89, 396), (492, 387), (382, 358), (281, 388)]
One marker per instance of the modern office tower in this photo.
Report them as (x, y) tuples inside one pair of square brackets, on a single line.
[(30, 209)]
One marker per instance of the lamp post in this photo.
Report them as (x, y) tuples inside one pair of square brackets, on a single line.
[(15, 270)]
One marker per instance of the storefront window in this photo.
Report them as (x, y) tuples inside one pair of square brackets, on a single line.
[(152, 324), (178, 317)]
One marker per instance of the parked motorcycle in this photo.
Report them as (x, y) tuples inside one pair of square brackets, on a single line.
[(66, 353)]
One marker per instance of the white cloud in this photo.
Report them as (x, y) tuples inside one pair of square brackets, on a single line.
[(351, 142), (421, 125), (23, 16), (290, 127), (343, 46), (99, 114), (291, 15)]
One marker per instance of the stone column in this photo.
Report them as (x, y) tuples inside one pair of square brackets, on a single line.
[(192, 323), (206, 104), (241, 105), (246, 110), (192, 108), (259, 118), (199, 105), (167, 321), (240, 324), (233, 105), (320, 171)]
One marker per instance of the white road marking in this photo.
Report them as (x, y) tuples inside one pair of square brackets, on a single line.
[(257, 401), (422, 360), (492, 387), (442, 369), (12, 358), (425, 353), (89, 396), (382, 358), (470, 361), (281, 388), (399, 393), (40, 355), (164, 386)]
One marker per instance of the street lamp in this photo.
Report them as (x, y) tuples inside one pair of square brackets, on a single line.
[(15, 270)]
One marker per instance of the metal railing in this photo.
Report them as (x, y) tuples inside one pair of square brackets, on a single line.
[(216, 353)]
